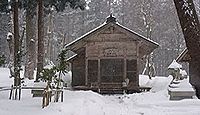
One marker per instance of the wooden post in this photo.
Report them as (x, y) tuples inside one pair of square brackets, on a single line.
[(20, 90), (15, 92), (137, 56), (124, 77), (86, 71), (61, 96), (99, 76), (11, 92), (43, 100)]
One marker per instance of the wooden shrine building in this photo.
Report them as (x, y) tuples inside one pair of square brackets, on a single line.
[(107, 58)]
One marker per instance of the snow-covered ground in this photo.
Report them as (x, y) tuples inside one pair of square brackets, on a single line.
[(155, 102)]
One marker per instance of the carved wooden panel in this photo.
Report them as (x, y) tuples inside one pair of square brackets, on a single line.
[(111, 49), (111, 52)]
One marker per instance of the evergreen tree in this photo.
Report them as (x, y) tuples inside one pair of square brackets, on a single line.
[(30, 60), (62, 68), (2, 60), (48, 75)]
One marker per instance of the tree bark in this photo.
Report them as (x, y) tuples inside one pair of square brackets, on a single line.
[(191, 30), (40, 56), (50, 37), (16, 44), (30, 44)]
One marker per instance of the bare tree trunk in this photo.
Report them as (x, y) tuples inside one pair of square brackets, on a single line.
[(191, 30), (146, 11), (50, 37), (10, 41), (40, 56), (16, 45), (30, 44)]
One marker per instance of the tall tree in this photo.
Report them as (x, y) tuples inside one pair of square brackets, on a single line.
[(191, 30), (49, 52), (16, 44), (147, 17), (40, 35), (59, 5), (30, 61)]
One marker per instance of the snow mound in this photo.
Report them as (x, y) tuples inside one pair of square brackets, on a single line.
[(183, 72), (144, 80), (5, 80), (157, 83), (161, 83), (81, 103), (155, 102)]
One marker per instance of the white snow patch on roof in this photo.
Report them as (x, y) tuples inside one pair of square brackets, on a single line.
[(183, 72), (175, 65), (144, 38)]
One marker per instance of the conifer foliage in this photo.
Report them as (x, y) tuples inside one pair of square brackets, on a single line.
[(2, 60)]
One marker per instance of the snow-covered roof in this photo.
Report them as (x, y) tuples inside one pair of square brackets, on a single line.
[(111, 21), (183, 72), (83, 36), (139, 35), (184, 56), (68, 59), (184, 85), (175, 65)]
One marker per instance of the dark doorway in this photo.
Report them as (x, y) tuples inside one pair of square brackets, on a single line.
[(111, 70)]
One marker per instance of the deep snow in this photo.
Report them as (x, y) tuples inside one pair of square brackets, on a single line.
[(155, 102)]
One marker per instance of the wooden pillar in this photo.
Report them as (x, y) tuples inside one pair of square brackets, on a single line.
[(137, 56), (99, 70), (86, 71), (99, 67), (125, 65)]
